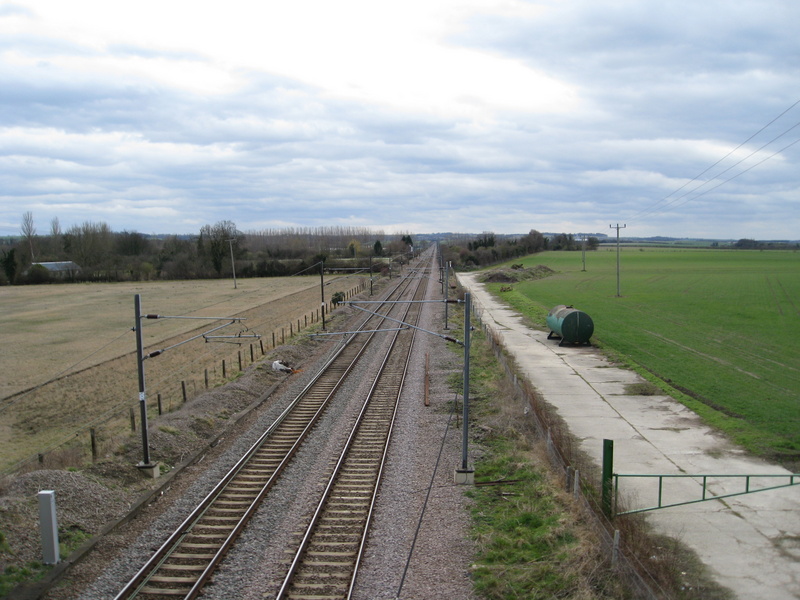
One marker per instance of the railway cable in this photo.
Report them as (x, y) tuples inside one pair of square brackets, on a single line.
[(427, 497)]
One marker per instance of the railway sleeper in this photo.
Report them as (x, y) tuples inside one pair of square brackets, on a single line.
[(362, 465), (241, 488), (359, 495), (304, 577), (173, 567), (254, 476), (306, 587), (204, 542), (209, 529), (223, 518), (267, 463), (237, 496), (153, 591), (199, 546), (339, 529), (350, 545), (359, 456), (350, 504), (337, 502), (173, 580), (356, 474), (191, 556)]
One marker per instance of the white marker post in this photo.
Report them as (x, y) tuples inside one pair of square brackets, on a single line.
[(48, 526)]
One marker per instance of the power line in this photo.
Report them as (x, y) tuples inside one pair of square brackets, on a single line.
[(741, 172), (656, 208), (672, 203)]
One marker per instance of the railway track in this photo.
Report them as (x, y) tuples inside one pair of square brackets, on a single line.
[(326, 562), (185, 562)]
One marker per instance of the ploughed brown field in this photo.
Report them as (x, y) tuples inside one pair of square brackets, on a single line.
[(68, 351)]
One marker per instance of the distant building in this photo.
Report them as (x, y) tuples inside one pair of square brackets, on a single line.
[(65, 269)]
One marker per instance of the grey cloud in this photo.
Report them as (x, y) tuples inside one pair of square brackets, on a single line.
[(663, 92)]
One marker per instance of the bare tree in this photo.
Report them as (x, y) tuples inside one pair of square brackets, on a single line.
[(56, 245), (213, 243), (88, 244), (28, 231)]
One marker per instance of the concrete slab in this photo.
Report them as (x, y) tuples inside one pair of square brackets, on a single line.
[(750, 543)]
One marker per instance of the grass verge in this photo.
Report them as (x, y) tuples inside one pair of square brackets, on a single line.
[(534, 539)]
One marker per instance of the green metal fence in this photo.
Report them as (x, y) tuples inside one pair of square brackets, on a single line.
[(751, 483)]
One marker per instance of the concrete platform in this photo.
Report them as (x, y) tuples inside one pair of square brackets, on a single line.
[(750, 543)]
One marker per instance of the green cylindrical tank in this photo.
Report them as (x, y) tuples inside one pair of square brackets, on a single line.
[(571, 325)]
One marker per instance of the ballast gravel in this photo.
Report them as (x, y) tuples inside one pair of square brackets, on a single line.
[(418, 545)]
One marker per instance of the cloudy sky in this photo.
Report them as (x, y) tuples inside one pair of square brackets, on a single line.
[(675, 118)]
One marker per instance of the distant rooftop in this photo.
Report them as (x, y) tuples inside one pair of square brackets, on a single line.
[(59, 266)]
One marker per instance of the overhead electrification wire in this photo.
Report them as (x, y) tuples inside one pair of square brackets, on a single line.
[(656, 208)]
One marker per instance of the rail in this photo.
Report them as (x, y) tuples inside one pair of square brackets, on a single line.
[(187, 559), (326, 562)]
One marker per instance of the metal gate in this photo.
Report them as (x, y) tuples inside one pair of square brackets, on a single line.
[(751, 483)]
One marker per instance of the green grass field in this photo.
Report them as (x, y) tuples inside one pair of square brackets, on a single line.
[(721, 326)]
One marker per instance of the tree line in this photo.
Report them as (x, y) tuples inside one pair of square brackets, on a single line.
[(466, 252), (100, 254)]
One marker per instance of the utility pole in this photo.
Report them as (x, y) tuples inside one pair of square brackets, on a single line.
[(233, 265), (465, 474), (322, 291), (446, 291), (583, 248), (617, 227), (146, 466)]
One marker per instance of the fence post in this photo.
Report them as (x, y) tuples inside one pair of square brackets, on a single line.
[(183, 390), (93, 437), (206, 378), (160, 408), (239, 354), (608, 476), (223, 369), (133, 421), (252, 354)]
